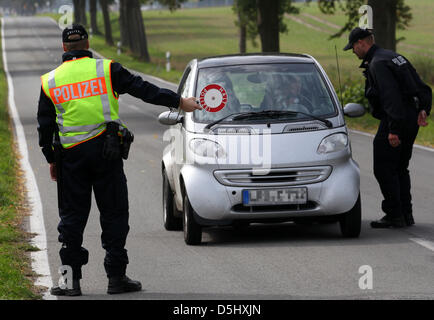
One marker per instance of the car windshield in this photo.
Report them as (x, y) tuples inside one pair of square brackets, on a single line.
[(298, 87)]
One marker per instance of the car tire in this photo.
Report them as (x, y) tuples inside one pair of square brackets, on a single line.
[(192, 230), (351, 221), (171, 222)]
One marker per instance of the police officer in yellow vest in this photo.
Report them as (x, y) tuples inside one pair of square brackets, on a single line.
[(78, 109)]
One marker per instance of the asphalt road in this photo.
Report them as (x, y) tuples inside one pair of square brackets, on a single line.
[(279, 261)]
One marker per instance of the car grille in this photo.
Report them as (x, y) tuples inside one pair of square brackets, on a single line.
[(273, 177), (302, 127)]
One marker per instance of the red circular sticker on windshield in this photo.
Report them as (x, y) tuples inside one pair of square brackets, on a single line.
[(213, 98)]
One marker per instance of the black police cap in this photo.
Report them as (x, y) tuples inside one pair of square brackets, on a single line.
[(355, 35), (74, 29)]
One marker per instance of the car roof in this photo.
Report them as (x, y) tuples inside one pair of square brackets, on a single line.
[(253, 58)]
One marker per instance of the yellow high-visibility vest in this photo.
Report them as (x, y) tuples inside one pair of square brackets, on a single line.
[(82, 93)]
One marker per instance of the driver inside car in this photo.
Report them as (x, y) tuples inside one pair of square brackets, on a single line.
[(285, 94)]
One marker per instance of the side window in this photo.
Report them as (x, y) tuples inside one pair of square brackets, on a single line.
[(185, 82)]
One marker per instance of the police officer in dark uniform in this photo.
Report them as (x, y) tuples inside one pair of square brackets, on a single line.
[(78, 115), (401, 101)]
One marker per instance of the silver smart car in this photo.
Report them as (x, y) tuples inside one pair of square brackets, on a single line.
[(269, 145)]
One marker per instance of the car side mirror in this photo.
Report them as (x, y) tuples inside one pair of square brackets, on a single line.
[(170, 118), (354, 110)]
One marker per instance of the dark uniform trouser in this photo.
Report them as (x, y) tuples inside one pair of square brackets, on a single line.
[(391, 167), (84, 169)]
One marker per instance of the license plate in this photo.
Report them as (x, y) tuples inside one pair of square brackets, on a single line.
[(274, 196)]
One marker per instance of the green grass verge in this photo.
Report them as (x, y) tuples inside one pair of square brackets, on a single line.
[(197, 33), (15, 271)]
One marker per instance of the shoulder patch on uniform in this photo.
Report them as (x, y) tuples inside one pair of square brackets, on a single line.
[(399, 60)]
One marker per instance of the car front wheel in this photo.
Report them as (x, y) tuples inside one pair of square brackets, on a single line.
[(171, 222), (192, 230), (351, 221)]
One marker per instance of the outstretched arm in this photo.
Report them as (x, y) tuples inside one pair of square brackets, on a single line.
[(124, 81)]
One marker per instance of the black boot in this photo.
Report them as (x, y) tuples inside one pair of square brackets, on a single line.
[(122, 284), (409, 220), (75, 291), (388, 222)]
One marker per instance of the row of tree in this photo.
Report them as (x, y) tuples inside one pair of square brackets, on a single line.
[(265, 18), (255, 18), (131, 24), (388, 16)]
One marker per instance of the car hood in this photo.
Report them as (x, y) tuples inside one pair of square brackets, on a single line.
[(267, 150)]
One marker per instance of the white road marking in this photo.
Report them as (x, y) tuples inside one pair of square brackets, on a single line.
[(39, 258), (424, 243)]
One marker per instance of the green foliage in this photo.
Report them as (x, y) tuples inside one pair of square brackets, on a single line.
[(354, 91), (14, 264), (286, 7), (424, 67), (351, 10), (247, 16), (403, 15), (247, 11)]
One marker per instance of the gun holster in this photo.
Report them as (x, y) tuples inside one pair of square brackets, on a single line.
[(123, 138), (127, 138)]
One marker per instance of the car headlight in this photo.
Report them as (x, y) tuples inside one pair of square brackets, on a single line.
[(333, 143), (207, 148)]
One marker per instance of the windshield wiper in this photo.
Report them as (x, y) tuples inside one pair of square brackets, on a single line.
[(211, 124), (267, 113), (328, 123), (273, 113)]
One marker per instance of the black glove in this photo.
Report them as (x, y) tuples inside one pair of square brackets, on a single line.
[(112, 147)]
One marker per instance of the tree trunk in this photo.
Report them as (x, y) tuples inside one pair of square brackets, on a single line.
[(268, 24), (80, 12), (384, 22), (93, 18), (132, 29), (77, 15), (123, 22), (139, 45), (83, 12), (107, 23), (243, 32)]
